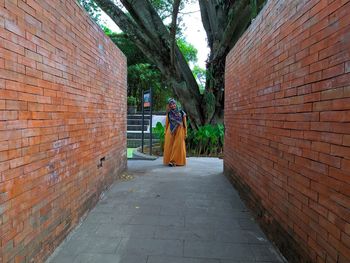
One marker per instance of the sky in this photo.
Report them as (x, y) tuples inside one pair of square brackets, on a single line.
[(193, 32)]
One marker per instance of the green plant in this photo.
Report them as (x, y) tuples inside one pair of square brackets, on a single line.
[(132, 101), (160, 130), (208, 140)]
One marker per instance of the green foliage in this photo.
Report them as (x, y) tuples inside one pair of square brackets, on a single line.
[(142, 73), (159, 130), (132, 101), (127, 46), (163, 7), (108, 31), (92, 8), (188, 50), (144, 76), (254, 6), (208, 140), (199, 74)]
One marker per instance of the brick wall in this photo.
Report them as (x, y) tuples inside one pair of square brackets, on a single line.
[(62, 109), (287, 117)]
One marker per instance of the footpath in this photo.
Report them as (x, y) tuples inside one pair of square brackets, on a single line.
[(166, 214)]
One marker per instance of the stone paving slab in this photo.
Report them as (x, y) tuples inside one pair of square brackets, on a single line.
[(165, 214)]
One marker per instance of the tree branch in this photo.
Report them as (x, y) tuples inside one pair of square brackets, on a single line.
[(173, 27), (239, 13), (144, 15), (135, 32), (147, 30), (203, 4)]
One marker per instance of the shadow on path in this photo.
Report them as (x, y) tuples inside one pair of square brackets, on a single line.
[(186, 214)]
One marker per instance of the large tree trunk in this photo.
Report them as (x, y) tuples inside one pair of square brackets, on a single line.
[(224, 22), (148, 32)]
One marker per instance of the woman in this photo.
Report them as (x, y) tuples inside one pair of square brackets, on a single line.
[(175, 134)]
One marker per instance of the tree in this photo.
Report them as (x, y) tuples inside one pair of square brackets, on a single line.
[(224, 22), (142, 73), (92, 8), (127, 46)]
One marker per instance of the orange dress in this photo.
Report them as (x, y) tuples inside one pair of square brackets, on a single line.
[(174, 144)]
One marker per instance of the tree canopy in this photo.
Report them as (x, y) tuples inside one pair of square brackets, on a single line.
[(224, 22)]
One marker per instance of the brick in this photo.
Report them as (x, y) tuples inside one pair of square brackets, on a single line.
[(4, 146), (330, 160), (340, 151), (13, 49), (33, 72), (33, 106), (313, 77), (24, 115), (309, 154), (333, 71), (335, 104), (339, 174), (321, 147), (16, 162), (332, 94), (13, 66), (27, 62), (318, 66), (330, 250), (16, 105), (346, 140), (15, 153), (318, 208), (16, 86), (345, 165), (345, 239), (8, 115), (312, 165), (335, 116), (2, 104), (8, 94), (33, 56), (343, 250), (323, 136), (17, 124)]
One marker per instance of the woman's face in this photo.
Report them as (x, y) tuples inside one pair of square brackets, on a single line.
[(172, 106)]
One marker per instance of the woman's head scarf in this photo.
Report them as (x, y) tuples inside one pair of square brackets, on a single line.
[(175, 116)]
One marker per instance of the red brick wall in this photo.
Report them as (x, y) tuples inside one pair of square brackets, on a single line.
[(287, 117), (62, 108)]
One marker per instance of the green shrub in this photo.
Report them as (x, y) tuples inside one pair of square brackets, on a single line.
[(208, 140), (132, 101), (159, 130)]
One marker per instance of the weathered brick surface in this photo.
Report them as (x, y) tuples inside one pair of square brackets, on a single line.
[(62, 109), (287, 117)]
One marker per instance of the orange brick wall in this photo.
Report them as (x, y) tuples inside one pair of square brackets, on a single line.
[(62, 109), (287, 117)]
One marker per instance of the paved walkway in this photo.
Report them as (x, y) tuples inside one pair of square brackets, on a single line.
[(169, 215)]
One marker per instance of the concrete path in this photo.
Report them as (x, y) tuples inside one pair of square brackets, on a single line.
[(186, 214)]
